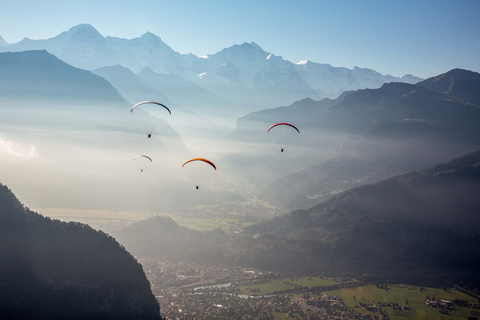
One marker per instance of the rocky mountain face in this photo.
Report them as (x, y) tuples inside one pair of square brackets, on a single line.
[(52, 270), (362, 137), (243, 74)]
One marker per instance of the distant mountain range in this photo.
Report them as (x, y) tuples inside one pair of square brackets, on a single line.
[(363, 137), (57, 270), (244, 74)]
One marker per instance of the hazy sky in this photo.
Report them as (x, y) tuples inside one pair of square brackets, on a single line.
[(423, 38)]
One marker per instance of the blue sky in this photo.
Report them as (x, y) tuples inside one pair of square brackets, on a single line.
[(423, 38)]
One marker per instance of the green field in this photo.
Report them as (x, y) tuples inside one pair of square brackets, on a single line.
[(284, 284), (371, 295)]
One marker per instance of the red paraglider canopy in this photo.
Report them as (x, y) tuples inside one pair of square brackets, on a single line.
[(283, 124)]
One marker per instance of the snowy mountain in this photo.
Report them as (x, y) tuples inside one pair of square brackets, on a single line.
[(331, 81), (2, 42), (243, 74)]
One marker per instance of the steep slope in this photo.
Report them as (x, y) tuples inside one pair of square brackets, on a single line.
[(40, 76), (132, 87), (126, 82), (459, 83), (2, 42), (51, 269), (252, 77), (189, 95), (420, 220)]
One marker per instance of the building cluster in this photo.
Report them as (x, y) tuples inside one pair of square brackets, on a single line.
[(442, 305), (175, 277), (221, 305)]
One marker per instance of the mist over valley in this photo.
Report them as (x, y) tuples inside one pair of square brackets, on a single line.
[(139, 182)]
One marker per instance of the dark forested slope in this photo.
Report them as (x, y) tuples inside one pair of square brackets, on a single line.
[(421, 220), (56, 270)]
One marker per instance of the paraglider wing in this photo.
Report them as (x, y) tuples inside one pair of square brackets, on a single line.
[(154, 102), (200, 159), (142, 161), (198, 169), (150, 112), (283, 124), (282, 132), (144, 156)]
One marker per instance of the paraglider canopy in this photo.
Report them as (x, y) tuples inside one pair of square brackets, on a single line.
[(198, 169), (283, 124), (141, 161), (150, 112), (200, 159), (143, 156), (282, 131), (152, 102)]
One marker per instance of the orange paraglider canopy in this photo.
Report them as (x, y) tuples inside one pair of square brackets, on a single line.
[(200, 159)]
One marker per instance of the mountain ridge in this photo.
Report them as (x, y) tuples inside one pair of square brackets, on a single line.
[(244, 74), (362, 137), (411, 220), (38, 74)]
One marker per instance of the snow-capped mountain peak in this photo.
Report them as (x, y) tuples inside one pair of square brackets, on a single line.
[(302, 62), (2, 42), (82, 32), (243, 73), (148, 36)]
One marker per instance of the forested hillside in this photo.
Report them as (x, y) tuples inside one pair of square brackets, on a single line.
[(57, 270)]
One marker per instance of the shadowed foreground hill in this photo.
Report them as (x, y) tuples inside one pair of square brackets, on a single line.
[(56, 270), (426, 220)]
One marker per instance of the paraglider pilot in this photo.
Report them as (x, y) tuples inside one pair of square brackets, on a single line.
[(149, 135), (197, 187)]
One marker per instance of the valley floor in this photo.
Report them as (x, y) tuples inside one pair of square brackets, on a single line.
[(188, 291)]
